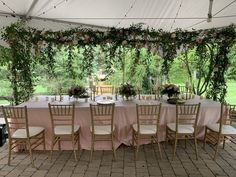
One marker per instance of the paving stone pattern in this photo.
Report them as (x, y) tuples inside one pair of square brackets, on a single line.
[(148, 163)]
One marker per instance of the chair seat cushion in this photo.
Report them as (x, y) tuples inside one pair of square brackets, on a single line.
[(65, 129), (145, 129), (102, 129), (21, 133), (181, 128), (226, 129)]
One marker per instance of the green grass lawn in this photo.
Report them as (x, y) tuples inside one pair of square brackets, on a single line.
[(231, 93), (39, 89)]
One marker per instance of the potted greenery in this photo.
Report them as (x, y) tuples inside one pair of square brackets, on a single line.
[(127, 90)]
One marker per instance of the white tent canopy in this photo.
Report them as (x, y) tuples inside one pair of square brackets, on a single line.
[(158, 14)]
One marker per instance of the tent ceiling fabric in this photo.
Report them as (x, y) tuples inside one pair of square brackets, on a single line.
[(158, 14)]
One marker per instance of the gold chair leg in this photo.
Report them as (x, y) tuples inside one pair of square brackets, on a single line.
[(73, 145), (59, 143), (44, 144), (92, 148), (196, 151), (174, 148), (137, 147), (52, 146), (113, 147), (156, 139), (223, 142), (78, 143), (133, 138), (9, 152), (217, 147), (185, 143), (205, 137), (30, 153), (166, 143), (159, 147)]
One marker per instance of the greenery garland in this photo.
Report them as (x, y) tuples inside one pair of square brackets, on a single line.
[(88, 63), (70, 60), (23, 40)]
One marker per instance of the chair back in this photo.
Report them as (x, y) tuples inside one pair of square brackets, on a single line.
[(232, 113), (224, 119), (186, 92), (148, 114), (157, 91), (187, 114), (182, 89), (102, 114), (62, 115), (227, 115), (15, 118), (107, 90)]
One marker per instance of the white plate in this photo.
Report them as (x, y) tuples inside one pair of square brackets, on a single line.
[(105, 101)]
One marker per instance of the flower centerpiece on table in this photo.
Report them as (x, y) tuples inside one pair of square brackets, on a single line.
[(170, 90), (78, 92), (127, 90)]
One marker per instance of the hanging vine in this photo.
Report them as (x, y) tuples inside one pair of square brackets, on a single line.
[(21, 63), (169, 47), (70, 61), (87, 63)]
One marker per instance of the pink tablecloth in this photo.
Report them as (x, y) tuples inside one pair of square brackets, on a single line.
[(125, 116)]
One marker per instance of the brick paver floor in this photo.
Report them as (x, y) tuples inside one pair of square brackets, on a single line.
[(102, 165)]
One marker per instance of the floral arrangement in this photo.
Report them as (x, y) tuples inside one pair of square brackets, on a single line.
[(170, 89), (127, 90), (78, 92)]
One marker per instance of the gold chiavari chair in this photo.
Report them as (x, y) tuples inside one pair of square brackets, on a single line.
[(186, 92), (19, 131), (182, 89), (232, 114), (222, 130), (185, 126), (102, 128), (63, 126), (107, 90), (157, 91), (147, 126)]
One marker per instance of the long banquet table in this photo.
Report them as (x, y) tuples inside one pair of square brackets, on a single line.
[(125, 116)]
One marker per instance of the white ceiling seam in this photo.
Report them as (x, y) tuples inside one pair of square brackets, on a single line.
[(158, 14)]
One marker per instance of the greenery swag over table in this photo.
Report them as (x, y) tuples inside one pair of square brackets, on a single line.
[(28, 46)]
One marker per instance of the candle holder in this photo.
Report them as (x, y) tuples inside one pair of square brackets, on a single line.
[(116, 93), (93, 92), (139, 92), (157, 92)]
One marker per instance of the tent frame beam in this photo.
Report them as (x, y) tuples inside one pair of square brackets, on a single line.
[(23, 17), (31, 8)]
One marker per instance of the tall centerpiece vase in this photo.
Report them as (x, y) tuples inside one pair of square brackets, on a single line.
[(76, 99), (127, 91), (127, 98), (172, 92), (77, 92), (172, 98)]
